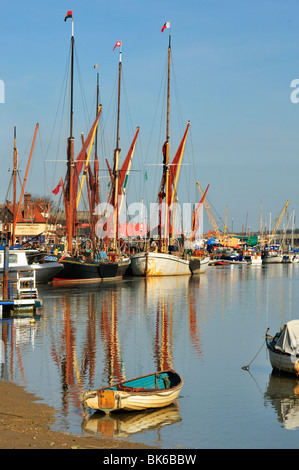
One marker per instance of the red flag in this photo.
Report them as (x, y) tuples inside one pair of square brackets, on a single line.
[(166, 25), (118, 44), (56, 190), (68, 15)]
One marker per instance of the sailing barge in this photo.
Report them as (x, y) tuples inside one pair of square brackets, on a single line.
[(79, 268), (162, 262)]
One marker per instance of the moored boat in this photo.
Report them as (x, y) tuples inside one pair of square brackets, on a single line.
[(291, 257), (283, 348), (153, 263), (252, 257), (272, 254), (155, 390), (76, 266), (77, 270), (45, 270)]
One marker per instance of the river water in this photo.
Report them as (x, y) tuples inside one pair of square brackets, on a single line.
[(206, 327)]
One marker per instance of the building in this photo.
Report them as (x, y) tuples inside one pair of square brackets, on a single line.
[(32, 220)]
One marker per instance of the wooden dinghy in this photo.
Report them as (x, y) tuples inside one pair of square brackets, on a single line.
[(283, 348), (149, 391)]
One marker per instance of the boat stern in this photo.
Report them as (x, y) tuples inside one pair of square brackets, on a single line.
[(103, 400)]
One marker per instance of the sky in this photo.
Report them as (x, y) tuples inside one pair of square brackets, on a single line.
[(233, 63)]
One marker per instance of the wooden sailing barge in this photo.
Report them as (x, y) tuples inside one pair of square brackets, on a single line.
[(107, 264), (163, 262)]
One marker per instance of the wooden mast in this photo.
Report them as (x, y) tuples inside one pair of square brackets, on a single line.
[(97, 191), (16, 213), (116, 162), (15, 169), (164, 246), (70, 157)]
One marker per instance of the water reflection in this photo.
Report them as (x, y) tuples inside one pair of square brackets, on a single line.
[(127, 424), (87, 337), (283, 394)]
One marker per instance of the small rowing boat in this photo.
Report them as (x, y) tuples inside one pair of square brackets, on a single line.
[(149, 391), (283, 348)]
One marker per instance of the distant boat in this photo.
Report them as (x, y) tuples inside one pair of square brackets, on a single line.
[(272, 254), (252, 257), (155, 390), (291, 257), (283, 348), (271, 258), (45, 269)]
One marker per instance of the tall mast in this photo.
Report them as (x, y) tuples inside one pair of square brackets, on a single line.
[(70, 223), (165, 239), (17, 211), (97, 195), (116, 161), (15, 169)]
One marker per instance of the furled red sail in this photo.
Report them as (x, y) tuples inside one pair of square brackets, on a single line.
[(78, 165), (124, 171), (173, 169)]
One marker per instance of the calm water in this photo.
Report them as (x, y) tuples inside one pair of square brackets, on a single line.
[(205, 327)]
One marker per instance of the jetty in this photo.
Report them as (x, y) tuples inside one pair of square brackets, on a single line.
[(20, 295)]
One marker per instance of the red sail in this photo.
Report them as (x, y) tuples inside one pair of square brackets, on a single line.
[(195, 215), (173, 168), (123, 170), (175, 164), (78, 164)]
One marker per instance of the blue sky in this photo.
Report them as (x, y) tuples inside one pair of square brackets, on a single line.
[(233, 61)]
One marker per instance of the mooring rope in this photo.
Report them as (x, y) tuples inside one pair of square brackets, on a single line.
[(247, 367)]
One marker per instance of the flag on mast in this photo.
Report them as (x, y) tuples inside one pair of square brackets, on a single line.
[(166, 25), (68, 15), (118, 44), (56, 190)]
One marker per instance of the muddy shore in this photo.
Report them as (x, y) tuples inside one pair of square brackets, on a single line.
[(26, 423)]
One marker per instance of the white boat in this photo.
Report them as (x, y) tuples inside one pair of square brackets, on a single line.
[(149, 391), (272, 257), (153, 263), (18, 261), (272, 254), (283, 348), (252, 257)]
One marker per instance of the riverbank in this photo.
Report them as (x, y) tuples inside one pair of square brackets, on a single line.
[(25, 424)]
